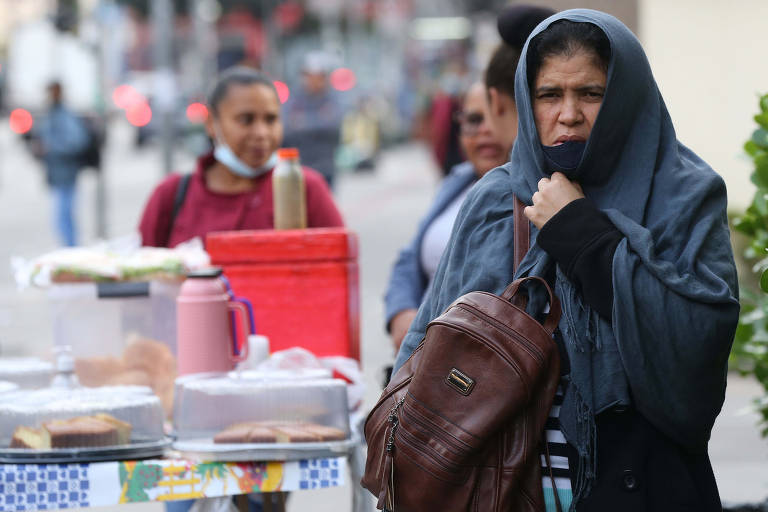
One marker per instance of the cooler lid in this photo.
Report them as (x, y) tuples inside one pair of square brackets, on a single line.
[(268, 246)]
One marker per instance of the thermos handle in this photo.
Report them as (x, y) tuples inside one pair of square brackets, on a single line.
[(249, 306), (242, 354)]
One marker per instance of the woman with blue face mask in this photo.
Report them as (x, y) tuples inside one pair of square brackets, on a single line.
[(231, 189)]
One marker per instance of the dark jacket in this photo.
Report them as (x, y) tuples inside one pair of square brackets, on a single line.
[(639, 469), (637, 465)]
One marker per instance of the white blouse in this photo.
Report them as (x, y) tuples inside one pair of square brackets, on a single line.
[(436, 236)]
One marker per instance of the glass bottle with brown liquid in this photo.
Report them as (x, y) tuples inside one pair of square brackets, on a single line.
[(288, 191)]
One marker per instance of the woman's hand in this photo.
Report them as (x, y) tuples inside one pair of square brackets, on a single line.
[(554, 193), (398, 326)]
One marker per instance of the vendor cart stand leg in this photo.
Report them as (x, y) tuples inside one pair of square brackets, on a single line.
[(361, 499)]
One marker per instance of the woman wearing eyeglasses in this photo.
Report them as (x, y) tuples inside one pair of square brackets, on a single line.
[(418, 261)]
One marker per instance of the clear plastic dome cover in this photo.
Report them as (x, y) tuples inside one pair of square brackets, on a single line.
[(59, 418), (261, 407), (26, 372)]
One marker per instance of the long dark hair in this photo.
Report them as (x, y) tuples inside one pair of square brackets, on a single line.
[(566, 38)]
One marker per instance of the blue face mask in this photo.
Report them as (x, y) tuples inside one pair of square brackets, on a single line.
[(225, 156), (566, 157)]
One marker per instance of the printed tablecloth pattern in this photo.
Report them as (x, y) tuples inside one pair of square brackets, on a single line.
[(58, 486)]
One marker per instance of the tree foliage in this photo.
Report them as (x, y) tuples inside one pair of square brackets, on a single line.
[(750, 350)]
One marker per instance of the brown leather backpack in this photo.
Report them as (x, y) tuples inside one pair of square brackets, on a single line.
[(459, 427)]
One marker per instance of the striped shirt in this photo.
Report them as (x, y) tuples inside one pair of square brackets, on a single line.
[(558, 455)]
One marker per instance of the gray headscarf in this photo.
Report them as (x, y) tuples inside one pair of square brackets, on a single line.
[(675, 305)]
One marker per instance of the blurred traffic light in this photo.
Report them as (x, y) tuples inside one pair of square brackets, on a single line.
[(21, 121), (139, 114), (197, 112), (343, 79), (125, 96), (283, 93)]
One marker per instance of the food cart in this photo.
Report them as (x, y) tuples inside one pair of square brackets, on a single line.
[(116, 325)]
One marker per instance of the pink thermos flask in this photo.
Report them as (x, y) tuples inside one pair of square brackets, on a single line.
[(205, 334)]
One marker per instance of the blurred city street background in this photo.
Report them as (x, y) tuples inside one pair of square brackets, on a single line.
[(391, 56)]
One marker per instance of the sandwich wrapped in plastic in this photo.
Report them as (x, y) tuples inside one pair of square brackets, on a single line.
[(114, 261)]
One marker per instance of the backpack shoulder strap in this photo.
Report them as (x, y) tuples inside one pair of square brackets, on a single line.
[(178, 201), (522, 234)]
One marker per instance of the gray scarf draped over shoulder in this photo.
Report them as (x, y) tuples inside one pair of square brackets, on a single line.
[(675, 295)]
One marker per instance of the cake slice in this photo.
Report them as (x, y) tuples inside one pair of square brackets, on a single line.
[(261, 434), (233, 434), (34, 438), (123, 427), (324, 432), (82, 431), (246, 432), (294, 433)]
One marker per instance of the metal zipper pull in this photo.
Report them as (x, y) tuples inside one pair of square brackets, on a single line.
[(389, 491)]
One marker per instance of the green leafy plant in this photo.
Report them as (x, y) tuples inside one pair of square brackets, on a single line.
[(750, 349)]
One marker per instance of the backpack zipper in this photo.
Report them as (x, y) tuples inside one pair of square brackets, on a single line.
[(389, 492)]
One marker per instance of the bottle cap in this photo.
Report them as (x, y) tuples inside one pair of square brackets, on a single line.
[(288, 153), (65, 363), (205, 273)]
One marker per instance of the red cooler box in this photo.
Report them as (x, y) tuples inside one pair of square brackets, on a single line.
[(303, 285)]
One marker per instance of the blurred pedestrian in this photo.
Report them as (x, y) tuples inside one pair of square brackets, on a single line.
[(481, 134), (444, 105), (231, 189), (313, 115), (630, 229), (417, 262), (60, 142)]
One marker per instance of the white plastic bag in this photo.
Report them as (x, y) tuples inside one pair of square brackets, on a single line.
[(349, 370), (344, 368)]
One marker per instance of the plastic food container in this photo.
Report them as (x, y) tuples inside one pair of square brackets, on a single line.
[(271, 415), (119, 333), (97, 319), (81, 424), (26, 372), (6, 386)]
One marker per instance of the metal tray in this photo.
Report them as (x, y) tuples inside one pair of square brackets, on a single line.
[(136, 450), (206, 449)]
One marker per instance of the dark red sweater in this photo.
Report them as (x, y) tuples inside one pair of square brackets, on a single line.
[(204, 211)]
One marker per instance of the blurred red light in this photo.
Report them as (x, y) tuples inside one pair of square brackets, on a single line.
[(283, 93), (139, 114), (343, 79), (21, 121), (197, 112), (125, 97)]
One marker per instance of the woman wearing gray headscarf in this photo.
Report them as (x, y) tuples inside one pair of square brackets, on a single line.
[(630, 226)]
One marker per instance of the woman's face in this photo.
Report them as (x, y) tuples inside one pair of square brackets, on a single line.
[(566, 98), (248, 119), (477, 138)]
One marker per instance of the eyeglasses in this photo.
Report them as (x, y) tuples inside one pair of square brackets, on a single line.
[(469, 122)]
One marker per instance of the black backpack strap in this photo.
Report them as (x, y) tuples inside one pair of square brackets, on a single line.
[(178, 200)]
